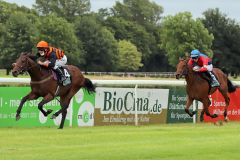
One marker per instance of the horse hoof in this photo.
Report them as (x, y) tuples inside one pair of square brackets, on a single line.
[(60, 127), (18, 117), (220, 123), (194, 112), (226, 119), (53, 116), (49, 111)]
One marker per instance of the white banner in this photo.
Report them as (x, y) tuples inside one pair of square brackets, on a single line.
[(121, 100)]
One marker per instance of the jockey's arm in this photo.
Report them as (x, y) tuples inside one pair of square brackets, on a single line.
[(52, 60), (203, 68), (50, 63)]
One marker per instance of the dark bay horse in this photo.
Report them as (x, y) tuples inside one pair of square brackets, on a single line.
[(198, 88), (43, 85)]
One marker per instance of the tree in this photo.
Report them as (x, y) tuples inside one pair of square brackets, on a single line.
[(7, 9), (99, 44), (226, 39), (143, 12), (21, 34), (138, 22), (180, 34), (133, 32), (67, 9), (129, 57), (61, 34)]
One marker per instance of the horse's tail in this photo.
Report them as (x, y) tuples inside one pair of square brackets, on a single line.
[(231, 87), (89, 85)]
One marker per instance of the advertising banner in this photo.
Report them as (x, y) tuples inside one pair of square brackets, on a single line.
[(118, 106), (83, 108), (10, 98), (218, 104), (176, 106)]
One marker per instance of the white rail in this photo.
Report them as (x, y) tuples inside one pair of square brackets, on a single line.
[(107, 82), (113, 82)]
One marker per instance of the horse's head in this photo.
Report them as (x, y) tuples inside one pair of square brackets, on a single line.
[(182, 68), (21, 65)]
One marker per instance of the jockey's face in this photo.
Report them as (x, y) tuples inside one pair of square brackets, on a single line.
[(41, 51), (195, 59)]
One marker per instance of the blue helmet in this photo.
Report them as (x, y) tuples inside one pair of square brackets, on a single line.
[(195, 53)]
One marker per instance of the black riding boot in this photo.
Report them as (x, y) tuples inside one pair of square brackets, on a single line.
[(215, 82), (60, 74)]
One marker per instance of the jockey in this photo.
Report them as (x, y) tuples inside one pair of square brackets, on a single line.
[(55, 58), (201, 63)]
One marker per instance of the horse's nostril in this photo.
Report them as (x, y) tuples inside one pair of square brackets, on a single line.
[(177, 76), (15, 73)]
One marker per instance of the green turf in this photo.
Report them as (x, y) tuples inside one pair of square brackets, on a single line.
[(167, 142)]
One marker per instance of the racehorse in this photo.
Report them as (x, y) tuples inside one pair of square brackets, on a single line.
[(44, 85), (199, 88)]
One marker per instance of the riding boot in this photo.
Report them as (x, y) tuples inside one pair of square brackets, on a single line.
[(215, 82), (60, 74)]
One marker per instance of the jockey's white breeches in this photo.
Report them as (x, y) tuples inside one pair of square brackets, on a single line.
[(209, 67), (60, 62)]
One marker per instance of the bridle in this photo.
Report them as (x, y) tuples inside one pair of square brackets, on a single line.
[(185, 69), (27, 67)]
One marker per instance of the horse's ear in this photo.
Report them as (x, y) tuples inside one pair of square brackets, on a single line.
[(181, 58), (187, 58), (24, 53)]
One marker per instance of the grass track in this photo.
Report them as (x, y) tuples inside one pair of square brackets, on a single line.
[(165, 142)]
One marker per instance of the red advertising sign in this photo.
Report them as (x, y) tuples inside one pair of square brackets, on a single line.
[(218, 104)]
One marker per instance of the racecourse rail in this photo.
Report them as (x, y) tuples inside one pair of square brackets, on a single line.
[(106, 82), (113, 82)]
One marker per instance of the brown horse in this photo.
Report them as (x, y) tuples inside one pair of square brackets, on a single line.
[(199, 88), (43, 85)]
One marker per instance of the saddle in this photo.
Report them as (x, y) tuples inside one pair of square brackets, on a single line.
[(67, 75), (206, 76)]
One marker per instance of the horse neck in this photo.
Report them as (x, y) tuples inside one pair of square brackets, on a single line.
[(36, 73), (190, 78)]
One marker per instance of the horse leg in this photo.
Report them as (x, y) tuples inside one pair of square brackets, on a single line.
[(30, 96), (64, 105), (227, 100), (189, 103), (64, 113), (206, 102), (45, 100), (201, 116)]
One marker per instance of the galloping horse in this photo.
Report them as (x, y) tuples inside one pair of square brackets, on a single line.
[(43, 85), (198, 88)]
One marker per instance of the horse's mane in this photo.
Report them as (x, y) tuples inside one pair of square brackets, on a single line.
[(34, 58), (30, 55)]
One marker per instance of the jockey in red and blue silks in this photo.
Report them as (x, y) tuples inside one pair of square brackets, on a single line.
[(202, 63)]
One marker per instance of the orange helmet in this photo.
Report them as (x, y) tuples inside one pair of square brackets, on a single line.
[(42, 44)]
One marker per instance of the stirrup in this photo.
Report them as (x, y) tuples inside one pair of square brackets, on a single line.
[(63, 78), (215, 84)]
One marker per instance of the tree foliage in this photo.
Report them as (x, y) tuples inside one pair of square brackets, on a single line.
[(61, 34), (99, 44), (227, 39), (21, 35), (138, 22), (108, 39), (129, 58), (63, 8), (181, 33), (141, 11)]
